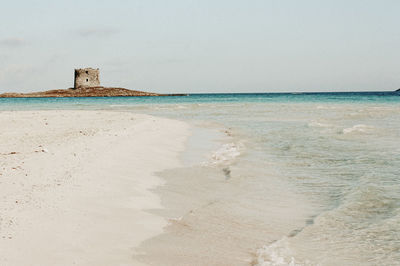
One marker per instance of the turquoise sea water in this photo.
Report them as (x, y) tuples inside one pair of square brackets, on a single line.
[(93, 102), (338, 152)]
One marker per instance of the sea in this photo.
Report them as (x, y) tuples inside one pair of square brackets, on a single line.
[(273, 178)]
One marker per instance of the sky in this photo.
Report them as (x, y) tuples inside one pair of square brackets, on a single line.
[(202, 45)]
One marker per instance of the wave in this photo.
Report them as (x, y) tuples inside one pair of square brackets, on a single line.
[(120, 105), (276, 254), (366, 215), (361, 128)]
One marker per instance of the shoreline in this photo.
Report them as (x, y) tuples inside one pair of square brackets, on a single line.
[(73, 191), (194, 194), (217, 211)]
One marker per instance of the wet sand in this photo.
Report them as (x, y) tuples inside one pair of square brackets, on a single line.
[(219, 212)]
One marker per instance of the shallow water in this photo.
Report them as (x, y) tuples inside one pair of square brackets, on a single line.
[(297, 179)]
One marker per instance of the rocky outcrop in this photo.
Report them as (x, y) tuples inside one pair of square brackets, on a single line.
[(85, 92)]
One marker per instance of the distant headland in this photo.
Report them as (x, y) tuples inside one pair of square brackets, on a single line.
[(86, 84)]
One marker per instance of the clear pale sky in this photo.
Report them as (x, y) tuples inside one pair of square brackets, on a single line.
[(202, 45)]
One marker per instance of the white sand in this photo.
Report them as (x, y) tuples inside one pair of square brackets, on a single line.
[(74, 185)]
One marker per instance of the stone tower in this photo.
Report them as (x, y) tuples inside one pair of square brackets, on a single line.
[(86, 77)]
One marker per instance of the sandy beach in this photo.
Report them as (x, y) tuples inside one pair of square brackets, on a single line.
[(200, 183), (75, 185)]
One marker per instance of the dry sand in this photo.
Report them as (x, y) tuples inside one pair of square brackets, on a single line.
[(75, 185)]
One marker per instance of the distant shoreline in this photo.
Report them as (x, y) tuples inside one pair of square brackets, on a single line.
[(104, 92), (85, 92)]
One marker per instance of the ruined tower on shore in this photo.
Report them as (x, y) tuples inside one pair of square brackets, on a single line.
[(86, 77)]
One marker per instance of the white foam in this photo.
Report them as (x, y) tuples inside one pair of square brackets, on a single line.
[(279, 254), (318, 124), (175, 220), (276, 254), (226, 153), (357, 129)]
